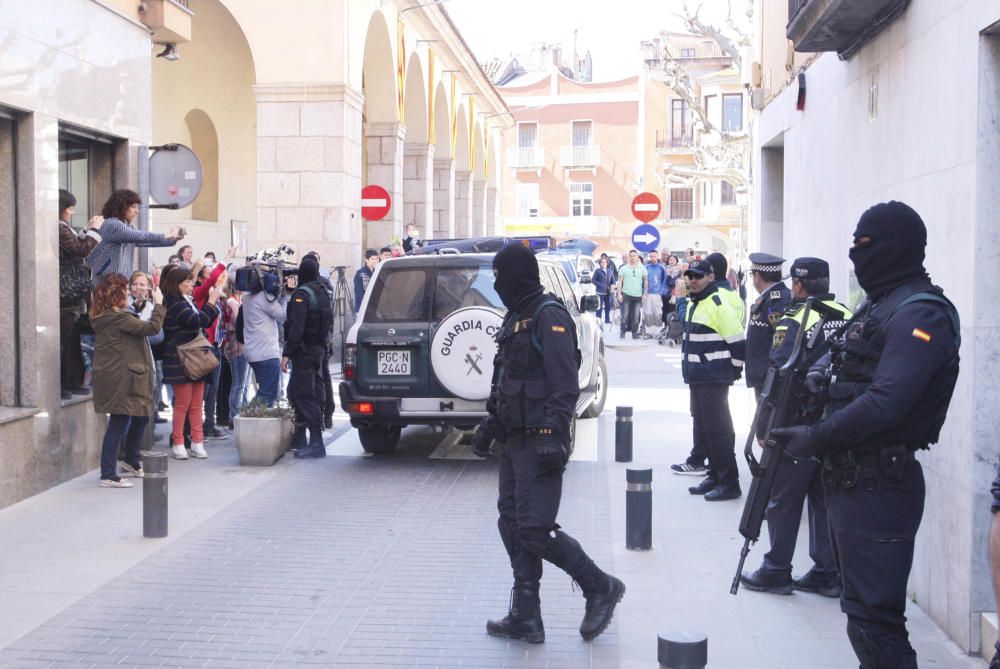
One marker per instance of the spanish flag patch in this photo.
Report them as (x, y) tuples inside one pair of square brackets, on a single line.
[(921, 335), (558, 328)]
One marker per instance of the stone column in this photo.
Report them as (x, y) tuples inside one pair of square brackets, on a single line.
[(309, 170), (418, 187), (492, 211), (384, 147), (479, 208), (444, 198), (463, 203)]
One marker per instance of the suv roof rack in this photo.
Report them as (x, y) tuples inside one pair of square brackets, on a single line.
[(481, 245)]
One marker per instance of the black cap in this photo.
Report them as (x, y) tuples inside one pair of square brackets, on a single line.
[(810, 268), (700, 268), (765, 262)]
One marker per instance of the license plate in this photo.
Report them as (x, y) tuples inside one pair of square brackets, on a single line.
[(393, 363)]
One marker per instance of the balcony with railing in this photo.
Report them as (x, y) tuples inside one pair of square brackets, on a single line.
[(170, 20), (526, 158), (669, 142), (586, 156), (843, 26)]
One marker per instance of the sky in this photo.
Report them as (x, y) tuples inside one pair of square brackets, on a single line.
[(610, 29)]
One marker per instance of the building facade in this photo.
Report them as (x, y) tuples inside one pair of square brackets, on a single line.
[(291, 108), (907, 113)]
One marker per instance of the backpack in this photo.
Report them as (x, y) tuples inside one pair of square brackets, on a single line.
[(326, 314)]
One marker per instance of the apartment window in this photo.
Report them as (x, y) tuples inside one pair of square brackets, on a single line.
[(527, 135), (582, 133), (681, 203), (527, 200), (680, 123), (689, 53), (728, 196), (581, 199), (10, 340), (732, 112), (712, 109), (86, 169)]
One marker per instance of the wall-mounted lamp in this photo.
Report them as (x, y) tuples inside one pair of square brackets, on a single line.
[(169, 52)]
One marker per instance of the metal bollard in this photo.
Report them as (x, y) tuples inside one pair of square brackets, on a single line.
[(638, 509), (154, 495), (682, 650), (623, 434)]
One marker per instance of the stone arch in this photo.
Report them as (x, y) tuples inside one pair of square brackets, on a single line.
[(415, 101), (492, 162), (379, 73), (461, 151), (205, 144), (442, 123), (478, 153)]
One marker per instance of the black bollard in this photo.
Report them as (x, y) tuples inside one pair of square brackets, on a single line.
[(638, 509), (682, 650), (154, 495), (623, 434)]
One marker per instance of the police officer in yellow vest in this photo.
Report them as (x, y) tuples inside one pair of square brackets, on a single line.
[(714, 348), (797, 480)]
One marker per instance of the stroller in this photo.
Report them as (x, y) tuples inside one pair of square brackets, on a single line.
[(673, 331)]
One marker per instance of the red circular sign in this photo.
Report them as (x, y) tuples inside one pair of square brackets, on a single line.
[(375, 202), (646, 207)]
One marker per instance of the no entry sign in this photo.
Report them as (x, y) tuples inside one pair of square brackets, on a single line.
[(646, 207), (375, 202)]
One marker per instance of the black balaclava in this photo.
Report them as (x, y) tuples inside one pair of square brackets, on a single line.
[(895, 254), (517, 275), (308, 270)]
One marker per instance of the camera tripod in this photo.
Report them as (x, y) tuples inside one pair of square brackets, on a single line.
[(343, 313)]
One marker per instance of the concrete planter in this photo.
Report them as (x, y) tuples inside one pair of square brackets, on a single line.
[(261, 441)]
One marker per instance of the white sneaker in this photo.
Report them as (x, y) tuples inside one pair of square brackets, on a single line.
[(198, 450), (179, 451)]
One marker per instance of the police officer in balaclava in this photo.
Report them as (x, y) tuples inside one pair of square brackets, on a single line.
[(531, 411), (893, 371)]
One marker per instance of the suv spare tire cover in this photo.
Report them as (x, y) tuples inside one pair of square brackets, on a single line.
[(462, 351)]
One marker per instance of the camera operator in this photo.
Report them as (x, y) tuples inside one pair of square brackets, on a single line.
[(307, 329), (263, 314)]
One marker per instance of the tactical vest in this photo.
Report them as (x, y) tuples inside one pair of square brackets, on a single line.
[(857, 352), (522, 388), (320, 316)]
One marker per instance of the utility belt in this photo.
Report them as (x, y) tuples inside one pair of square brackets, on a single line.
[(533, 431), (844, 467)]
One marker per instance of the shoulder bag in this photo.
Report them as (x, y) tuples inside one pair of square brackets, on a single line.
[(197, 357)]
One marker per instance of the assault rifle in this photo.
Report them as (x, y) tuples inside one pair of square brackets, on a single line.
[(784, 401)]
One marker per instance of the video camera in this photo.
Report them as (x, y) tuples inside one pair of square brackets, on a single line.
[(267, 270)]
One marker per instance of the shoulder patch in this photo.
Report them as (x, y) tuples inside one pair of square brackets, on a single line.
[(299, 299), (558, 328), (717, 300), (779, 338), (921, 335), (775, 294)]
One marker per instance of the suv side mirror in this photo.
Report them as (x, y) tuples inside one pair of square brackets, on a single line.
[(590, 303), (585, 276)]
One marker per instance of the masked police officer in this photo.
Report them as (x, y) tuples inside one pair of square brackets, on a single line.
[(794, 481), (892, 377), (307, 327), (531, 412), (765, 272)]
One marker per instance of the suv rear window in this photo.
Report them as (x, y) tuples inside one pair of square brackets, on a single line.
[(399, 295), (458, 287)]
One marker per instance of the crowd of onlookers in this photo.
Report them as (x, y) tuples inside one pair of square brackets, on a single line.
[(140, 330)]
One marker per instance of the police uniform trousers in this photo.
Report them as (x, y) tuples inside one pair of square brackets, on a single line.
[(305, 387), (529, 503), (713, 429), (794, 482), (873, 523)]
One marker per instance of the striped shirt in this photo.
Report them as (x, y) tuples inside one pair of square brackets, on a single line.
[(116, 251)]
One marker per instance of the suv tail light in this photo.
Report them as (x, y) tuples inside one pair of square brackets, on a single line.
[(350, 360)]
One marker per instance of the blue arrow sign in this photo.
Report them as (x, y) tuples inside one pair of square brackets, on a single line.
[(646, 238)]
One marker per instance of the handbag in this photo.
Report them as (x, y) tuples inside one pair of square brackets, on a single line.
[(197, 357), (74, 280)]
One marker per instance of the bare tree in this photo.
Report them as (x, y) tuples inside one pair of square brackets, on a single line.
[(719, 155)]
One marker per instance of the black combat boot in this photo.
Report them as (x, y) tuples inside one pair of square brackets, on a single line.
[(316, 447), (524, 619), (298, 438), (603, 592)]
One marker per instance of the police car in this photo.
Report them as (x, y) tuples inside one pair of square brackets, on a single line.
[(421, 351)]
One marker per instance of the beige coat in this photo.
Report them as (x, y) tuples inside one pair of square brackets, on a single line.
[(124, 375)]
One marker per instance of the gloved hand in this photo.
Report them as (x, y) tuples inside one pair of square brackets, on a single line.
[(816, 381), (798, 444), (552, 452), (482, 440), (737, 373)]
